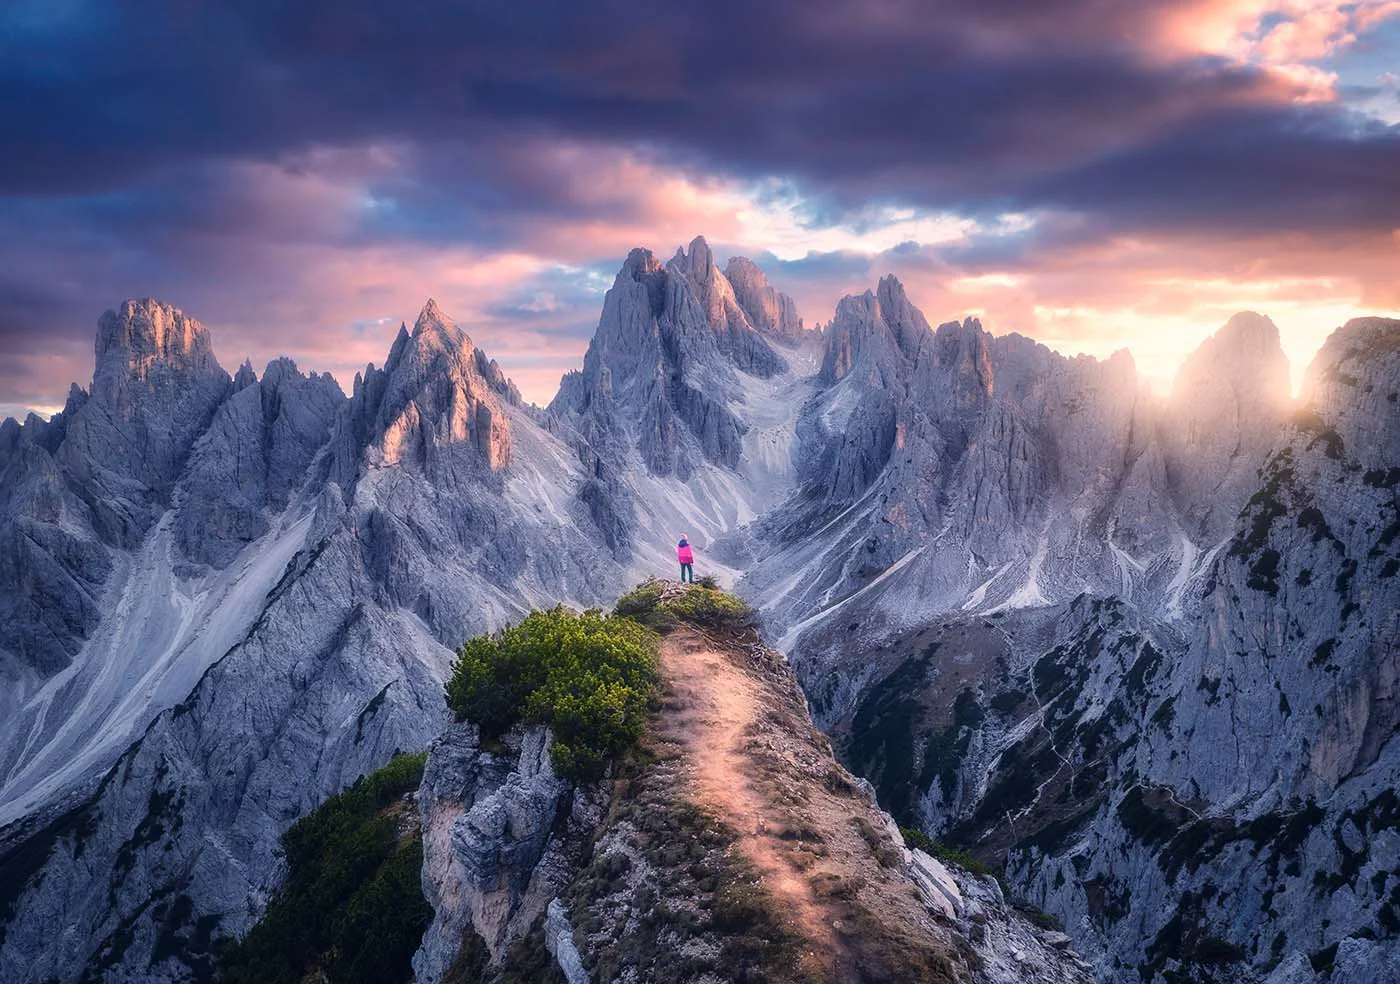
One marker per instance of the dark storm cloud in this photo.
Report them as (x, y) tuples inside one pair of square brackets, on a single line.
[(237, 157), (969, 106)]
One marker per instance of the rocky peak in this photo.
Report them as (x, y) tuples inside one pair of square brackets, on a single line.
[(432, 395), (858, 335), (905, 321), (641, 267), (640, 262), (278, 371), (155, 388), (767, 310), (1351, 389), (662, 363), (724, 318), (245, 377), (1241, 364), (1227, 403), (252, 459), (699, 263), (434, 324), (9, 433), (962, 348), (144, 340), (77, 396)]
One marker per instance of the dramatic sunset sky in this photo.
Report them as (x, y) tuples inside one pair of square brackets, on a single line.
[(300, 176)]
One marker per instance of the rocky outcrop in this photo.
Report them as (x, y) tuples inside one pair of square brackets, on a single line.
[(1228, 402), (502, 837), (767, 310), (645, 877)]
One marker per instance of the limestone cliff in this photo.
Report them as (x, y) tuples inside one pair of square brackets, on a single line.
[(729, 846)]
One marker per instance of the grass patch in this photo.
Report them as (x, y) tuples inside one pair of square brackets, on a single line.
[(950, 855), (660, 606)]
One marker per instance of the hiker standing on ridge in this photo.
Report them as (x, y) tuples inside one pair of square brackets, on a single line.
[(687, 558)]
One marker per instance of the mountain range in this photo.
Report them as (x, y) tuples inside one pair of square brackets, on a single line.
[(1141, 652)]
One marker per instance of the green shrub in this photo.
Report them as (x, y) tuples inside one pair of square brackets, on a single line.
[(711, 609), (640, 600), (352, 908), (585, 675), (701, 604)]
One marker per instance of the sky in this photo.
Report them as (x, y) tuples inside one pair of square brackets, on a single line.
[(1096, 174)]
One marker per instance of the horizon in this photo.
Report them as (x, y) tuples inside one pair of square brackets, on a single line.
[(1090, 176), (1159, 385)]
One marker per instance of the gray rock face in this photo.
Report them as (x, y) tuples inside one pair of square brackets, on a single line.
[(155, 388), (559, 939), (96, 477), (1144, 651), (1228, 402), (662, 367), (767, 310), (963, 471), (1189, 770), (502, 837), (252, 458), (438, 404), (51, 574)]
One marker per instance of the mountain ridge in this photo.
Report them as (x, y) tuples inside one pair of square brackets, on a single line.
[(890, 479)]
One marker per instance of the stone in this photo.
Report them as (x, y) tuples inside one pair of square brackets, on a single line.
[(559, 938)]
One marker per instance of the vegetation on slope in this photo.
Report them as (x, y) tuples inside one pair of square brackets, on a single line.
[(586, 676), (352, 908), (662, 605)]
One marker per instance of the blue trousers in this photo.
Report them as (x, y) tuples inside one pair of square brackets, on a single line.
[(687, 573)]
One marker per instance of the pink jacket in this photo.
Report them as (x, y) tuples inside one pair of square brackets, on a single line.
[(684, 555)]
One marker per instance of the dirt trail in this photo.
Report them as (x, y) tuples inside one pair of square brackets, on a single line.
[(715, 716), (823, 851)]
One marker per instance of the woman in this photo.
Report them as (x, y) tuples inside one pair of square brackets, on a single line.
[(687, 558)]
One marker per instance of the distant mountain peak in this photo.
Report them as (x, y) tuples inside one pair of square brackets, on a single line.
[(698, 262), (245, 377), (433, 323), (639, 262), (1244, 355), (767, 309), (142, 335)]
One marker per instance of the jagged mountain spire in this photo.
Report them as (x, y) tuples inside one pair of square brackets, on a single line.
[(1024, 632), (1228, 401), (664, 361)]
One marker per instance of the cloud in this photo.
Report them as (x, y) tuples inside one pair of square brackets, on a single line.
[(298, 175), (979, 105)]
